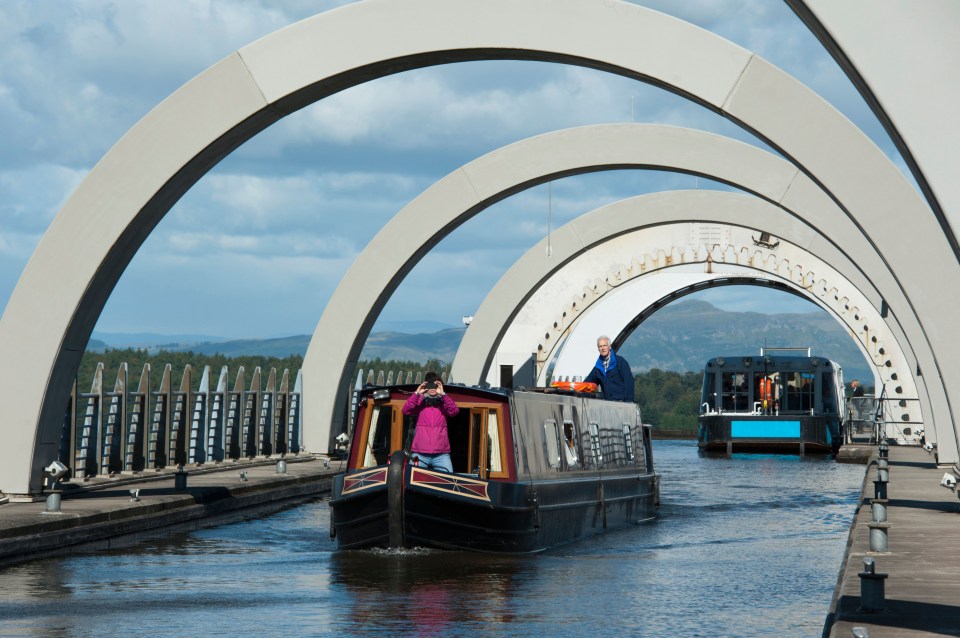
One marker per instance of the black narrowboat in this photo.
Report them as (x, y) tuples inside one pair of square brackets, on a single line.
[(532, 470), (771, 403)]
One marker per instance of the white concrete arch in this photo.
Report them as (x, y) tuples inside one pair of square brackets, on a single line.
[(899, 58), (452, 200), (61, 292), (536, 304), (669, 248)]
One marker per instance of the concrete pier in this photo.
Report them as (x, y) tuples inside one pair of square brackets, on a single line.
[(115, 512), (922, 561)]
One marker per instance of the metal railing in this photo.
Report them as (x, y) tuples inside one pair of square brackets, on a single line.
[(106, 433), (870, 420)]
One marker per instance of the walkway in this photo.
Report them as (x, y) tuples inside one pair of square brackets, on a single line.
[(104, 514), (923, 561)]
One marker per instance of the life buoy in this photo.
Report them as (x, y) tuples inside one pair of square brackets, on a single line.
[(766, 390), (576, 386)]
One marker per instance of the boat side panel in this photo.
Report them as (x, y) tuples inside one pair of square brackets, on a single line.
[(529, 517), (759, 433)]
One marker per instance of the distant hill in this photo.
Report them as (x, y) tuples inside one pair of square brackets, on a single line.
[(680, 337), (684, 335)]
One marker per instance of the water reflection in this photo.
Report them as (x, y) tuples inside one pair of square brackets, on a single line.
[(431, 591)]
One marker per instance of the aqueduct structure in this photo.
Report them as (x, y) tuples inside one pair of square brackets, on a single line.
[(857, 237)]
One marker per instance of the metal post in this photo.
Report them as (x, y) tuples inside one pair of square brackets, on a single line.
[(180, 480), (281, 467), (878, 508), (878, 537), (871, 588), (53, 503), (880, 489)]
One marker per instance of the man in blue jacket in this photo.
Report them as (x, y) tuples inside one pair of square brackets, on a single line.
[(612, 373)]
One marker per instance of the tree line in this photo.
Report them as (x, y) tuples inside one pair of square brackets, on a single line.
[(668, 400)]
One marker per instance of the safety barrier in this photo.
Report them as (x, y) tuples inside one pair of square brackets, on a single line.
[(106, 433)]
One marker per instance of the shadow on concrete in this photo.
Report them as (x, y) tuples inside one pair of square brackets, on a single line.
[(905, 614), (927, 466), (199, 494), (926, 505)]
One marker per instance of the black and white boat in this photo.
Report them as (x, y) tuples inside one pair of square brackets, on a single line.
[(532, 470), (771, 403)]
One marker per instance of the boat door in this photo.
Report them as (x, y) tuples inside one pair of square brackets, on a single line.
[(485, 452), (384, 430)]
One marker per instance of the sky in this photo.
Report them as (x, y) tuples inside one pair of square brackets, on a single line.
[(257, 246)]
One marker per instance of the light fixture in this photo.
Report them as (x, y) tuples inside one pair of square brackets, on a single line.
[(381, 394), (56, 469)]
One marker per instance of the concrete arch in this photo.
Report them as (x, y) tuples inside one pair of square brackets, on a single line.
[(540, 299), (53, 309), (395, 249)]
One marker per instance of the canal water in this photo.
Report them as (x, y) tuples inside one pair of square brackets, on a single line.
[(744, 546)]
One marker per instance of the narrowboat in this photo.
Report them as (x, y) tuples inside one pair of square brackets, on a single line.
[(771, 403), (531, 470)]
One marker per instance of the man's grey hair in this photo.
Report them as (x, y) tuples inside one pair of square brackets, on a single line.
[(604, 338)]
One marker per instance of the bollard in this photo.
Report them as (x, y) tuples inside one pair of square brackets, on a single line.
[(53, 503), (871, 588), (878, 507), (883, 450), (281, 467), (883, 470), (180, 481), (860, 632), (878, 537), (880, 490)]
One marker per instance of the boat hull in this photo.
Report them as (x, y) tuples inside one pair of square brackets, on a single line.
[(453, 511), (799, 434)]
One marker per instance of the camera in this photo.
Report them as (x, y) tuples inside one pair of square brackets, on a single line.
[(430, 385)]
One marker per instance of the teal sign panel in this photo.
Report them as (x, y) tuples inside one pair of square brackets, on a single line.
[(765, 429)]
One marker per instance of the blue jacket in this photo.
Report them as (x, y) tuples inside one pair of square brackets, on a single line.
[(617, 382)]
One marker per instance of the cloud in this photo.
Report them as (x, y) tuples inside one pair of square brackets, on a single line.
[(290, 209)]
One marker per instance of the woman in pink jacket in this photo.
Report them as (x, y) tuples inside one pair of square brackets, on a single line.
[(431, 406)]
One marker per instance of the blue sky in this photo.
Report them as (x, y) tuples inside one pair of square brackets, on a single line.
[(258, 245)]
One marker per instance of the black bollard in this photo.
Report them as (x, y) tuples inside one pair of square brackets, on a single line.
[(871, 588), (180, 481)]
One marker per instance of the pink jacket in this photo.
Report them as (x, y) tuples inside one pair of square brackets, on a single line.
[(431, 435)]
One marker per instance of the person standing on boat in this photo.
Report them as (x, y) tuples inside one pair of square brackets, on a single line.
[(612, 373), (431, 405), (857, 388)]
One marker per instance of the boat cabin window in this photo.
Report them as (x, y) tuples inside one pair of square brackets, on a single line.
[(595, 444), (570, 443), (828, 393), (798, 393), (709, 394), (485, 448), (734, 393), (378, 436), (628, 442), (552, 439), (494, 448)]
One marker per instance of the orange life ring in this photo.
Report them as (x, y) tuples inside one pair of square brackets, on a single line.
[(576, 386)]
